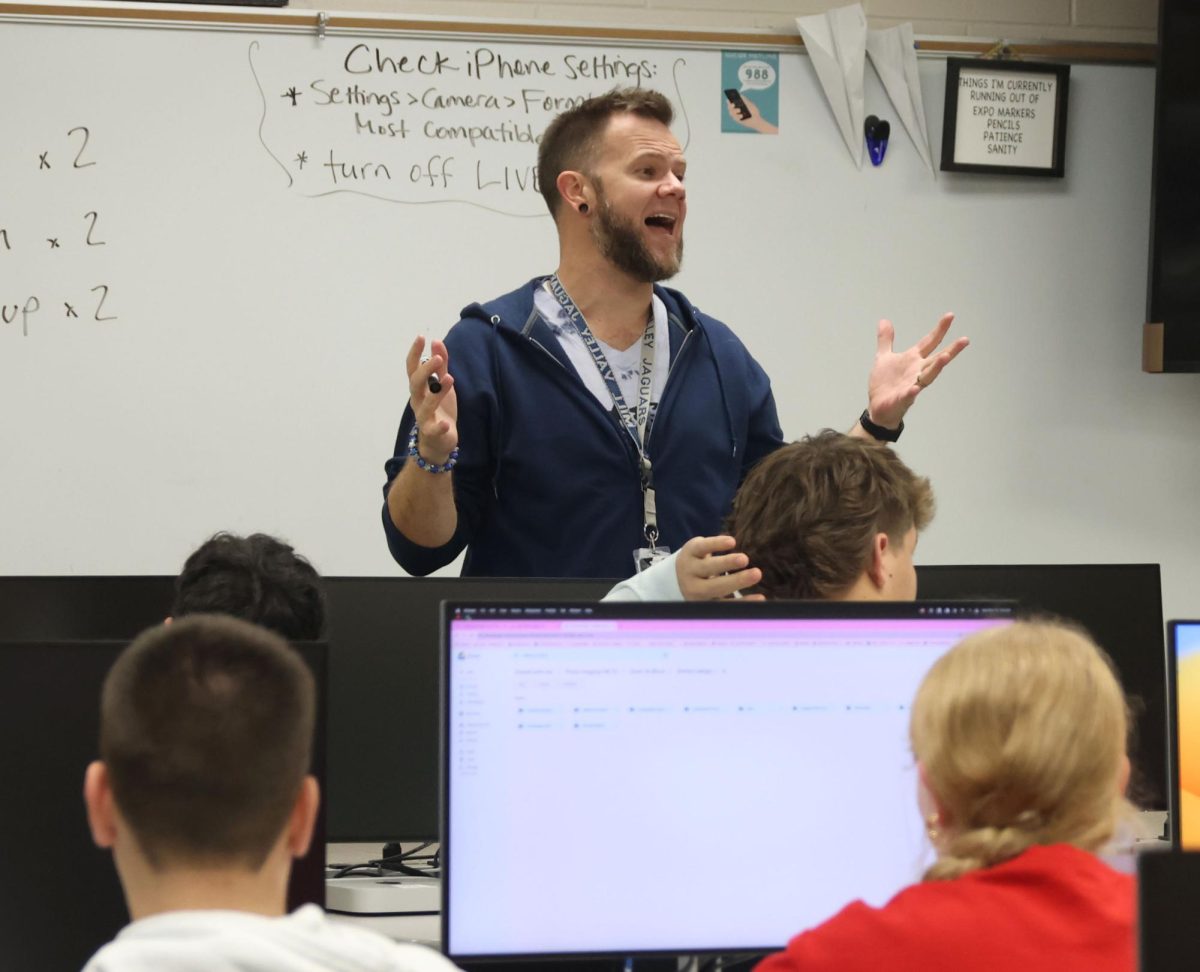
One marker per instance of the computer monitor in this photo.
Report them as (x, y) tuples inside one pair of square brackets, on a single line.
[(1168, 888), (1121, 607), (383, 685), (383, 782), (383, 694), (640, 779), (114, 608), (1183, 667), (62, 900)]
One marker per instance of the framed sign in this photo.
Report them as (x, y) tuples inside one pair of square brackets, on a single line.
[(1005, 117)]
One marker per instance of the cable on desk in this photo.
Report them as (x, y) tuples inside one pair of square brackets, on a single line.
[(718, 963), (394, 863)]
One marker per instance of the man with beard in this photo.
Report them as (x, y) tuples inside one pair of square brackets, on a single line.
[(592, 418)]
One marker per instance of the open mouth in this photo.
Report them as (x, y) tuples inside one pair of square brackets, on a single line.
[(662, 221)]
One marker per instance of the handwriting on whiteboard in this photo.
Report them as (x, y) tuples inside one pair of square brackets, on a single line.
[(403, 121), (80, 296)]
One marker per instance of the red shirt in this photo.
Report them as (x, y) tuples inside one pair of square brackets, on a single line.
[(1051, 909)]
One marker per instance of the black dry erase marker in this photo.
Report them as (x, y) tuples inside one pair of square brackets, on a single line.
[(433, 381)]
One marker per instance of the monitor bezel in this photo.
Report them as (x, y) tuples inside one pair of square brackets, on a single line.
[(1174, 790)]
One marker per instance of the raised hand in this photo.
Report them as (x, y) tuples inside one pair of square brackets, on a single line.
[(436, 412), (898, 377)]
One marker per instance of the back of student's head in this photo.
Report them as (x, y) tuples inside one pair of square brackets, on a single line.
[(1022, 732), (256, 578), (206, 728), (807, 515)]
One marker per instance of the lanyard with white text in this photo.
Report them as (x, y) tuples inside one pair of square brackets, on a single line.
[(636, 422)]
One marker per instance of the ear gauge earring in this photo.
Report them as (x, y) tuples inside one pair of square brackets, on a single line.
[(583, 208)]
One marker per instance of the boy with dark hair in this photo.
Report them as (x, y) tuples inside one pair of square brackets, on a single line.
[(831, 517), (201, 792), (257, 578)]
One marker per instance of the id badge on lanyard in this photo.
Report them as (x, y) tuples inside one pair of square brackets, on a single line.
[(652, 553)]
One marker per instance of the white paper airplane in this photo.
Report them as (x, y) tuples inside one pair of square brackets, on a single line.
[(894, 56), (836, 42)]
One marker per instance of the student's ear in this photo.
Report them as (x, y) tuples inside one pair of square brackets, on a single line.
[(931, 807), (1123, 775), (304, 817), (98, 798), (877, 567)]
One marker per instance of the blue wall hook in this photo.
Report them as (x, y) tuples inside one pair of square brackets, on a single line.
[(877, 131)]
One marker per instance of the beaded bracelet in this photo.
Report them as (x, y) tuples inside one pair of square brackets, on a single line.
[(425, 464)]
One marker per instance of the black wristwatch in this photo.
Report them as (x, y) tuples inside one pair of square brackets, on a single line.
[(879, 432)]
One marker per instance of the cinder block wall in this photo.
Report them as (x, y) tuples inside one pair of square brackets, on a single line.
[(1129, 21)]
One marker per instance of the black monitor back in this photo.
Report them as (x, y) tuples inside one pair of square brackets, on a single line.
[(88, 608), (383, 634), (62, 900), (383, 679), (384, 715), (1168, 889), (1121, 606)]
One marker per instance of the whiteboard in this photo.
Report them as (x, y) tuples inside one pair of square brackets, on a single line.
[(216, 338)]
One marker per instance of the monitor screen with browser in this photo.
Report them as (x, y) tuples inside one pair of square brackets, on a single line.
[(748, 763)]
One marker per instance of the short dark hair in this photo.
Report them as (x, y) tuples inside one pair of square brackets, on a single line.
[(257, 578), (206, 729), (806, 514), (571, 139)]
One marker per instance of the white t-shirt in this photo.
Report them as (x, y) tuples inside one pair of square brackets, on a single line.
[(237, 941), (626, 364), (658, 582)]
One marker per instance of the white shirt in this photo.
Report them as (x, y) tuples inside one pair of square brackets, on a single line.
[(658, 582), (238, 941), (626, 364)]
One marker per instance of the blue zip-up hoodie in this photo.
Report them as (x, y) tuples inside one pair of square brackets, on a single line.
[(548, 483)]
